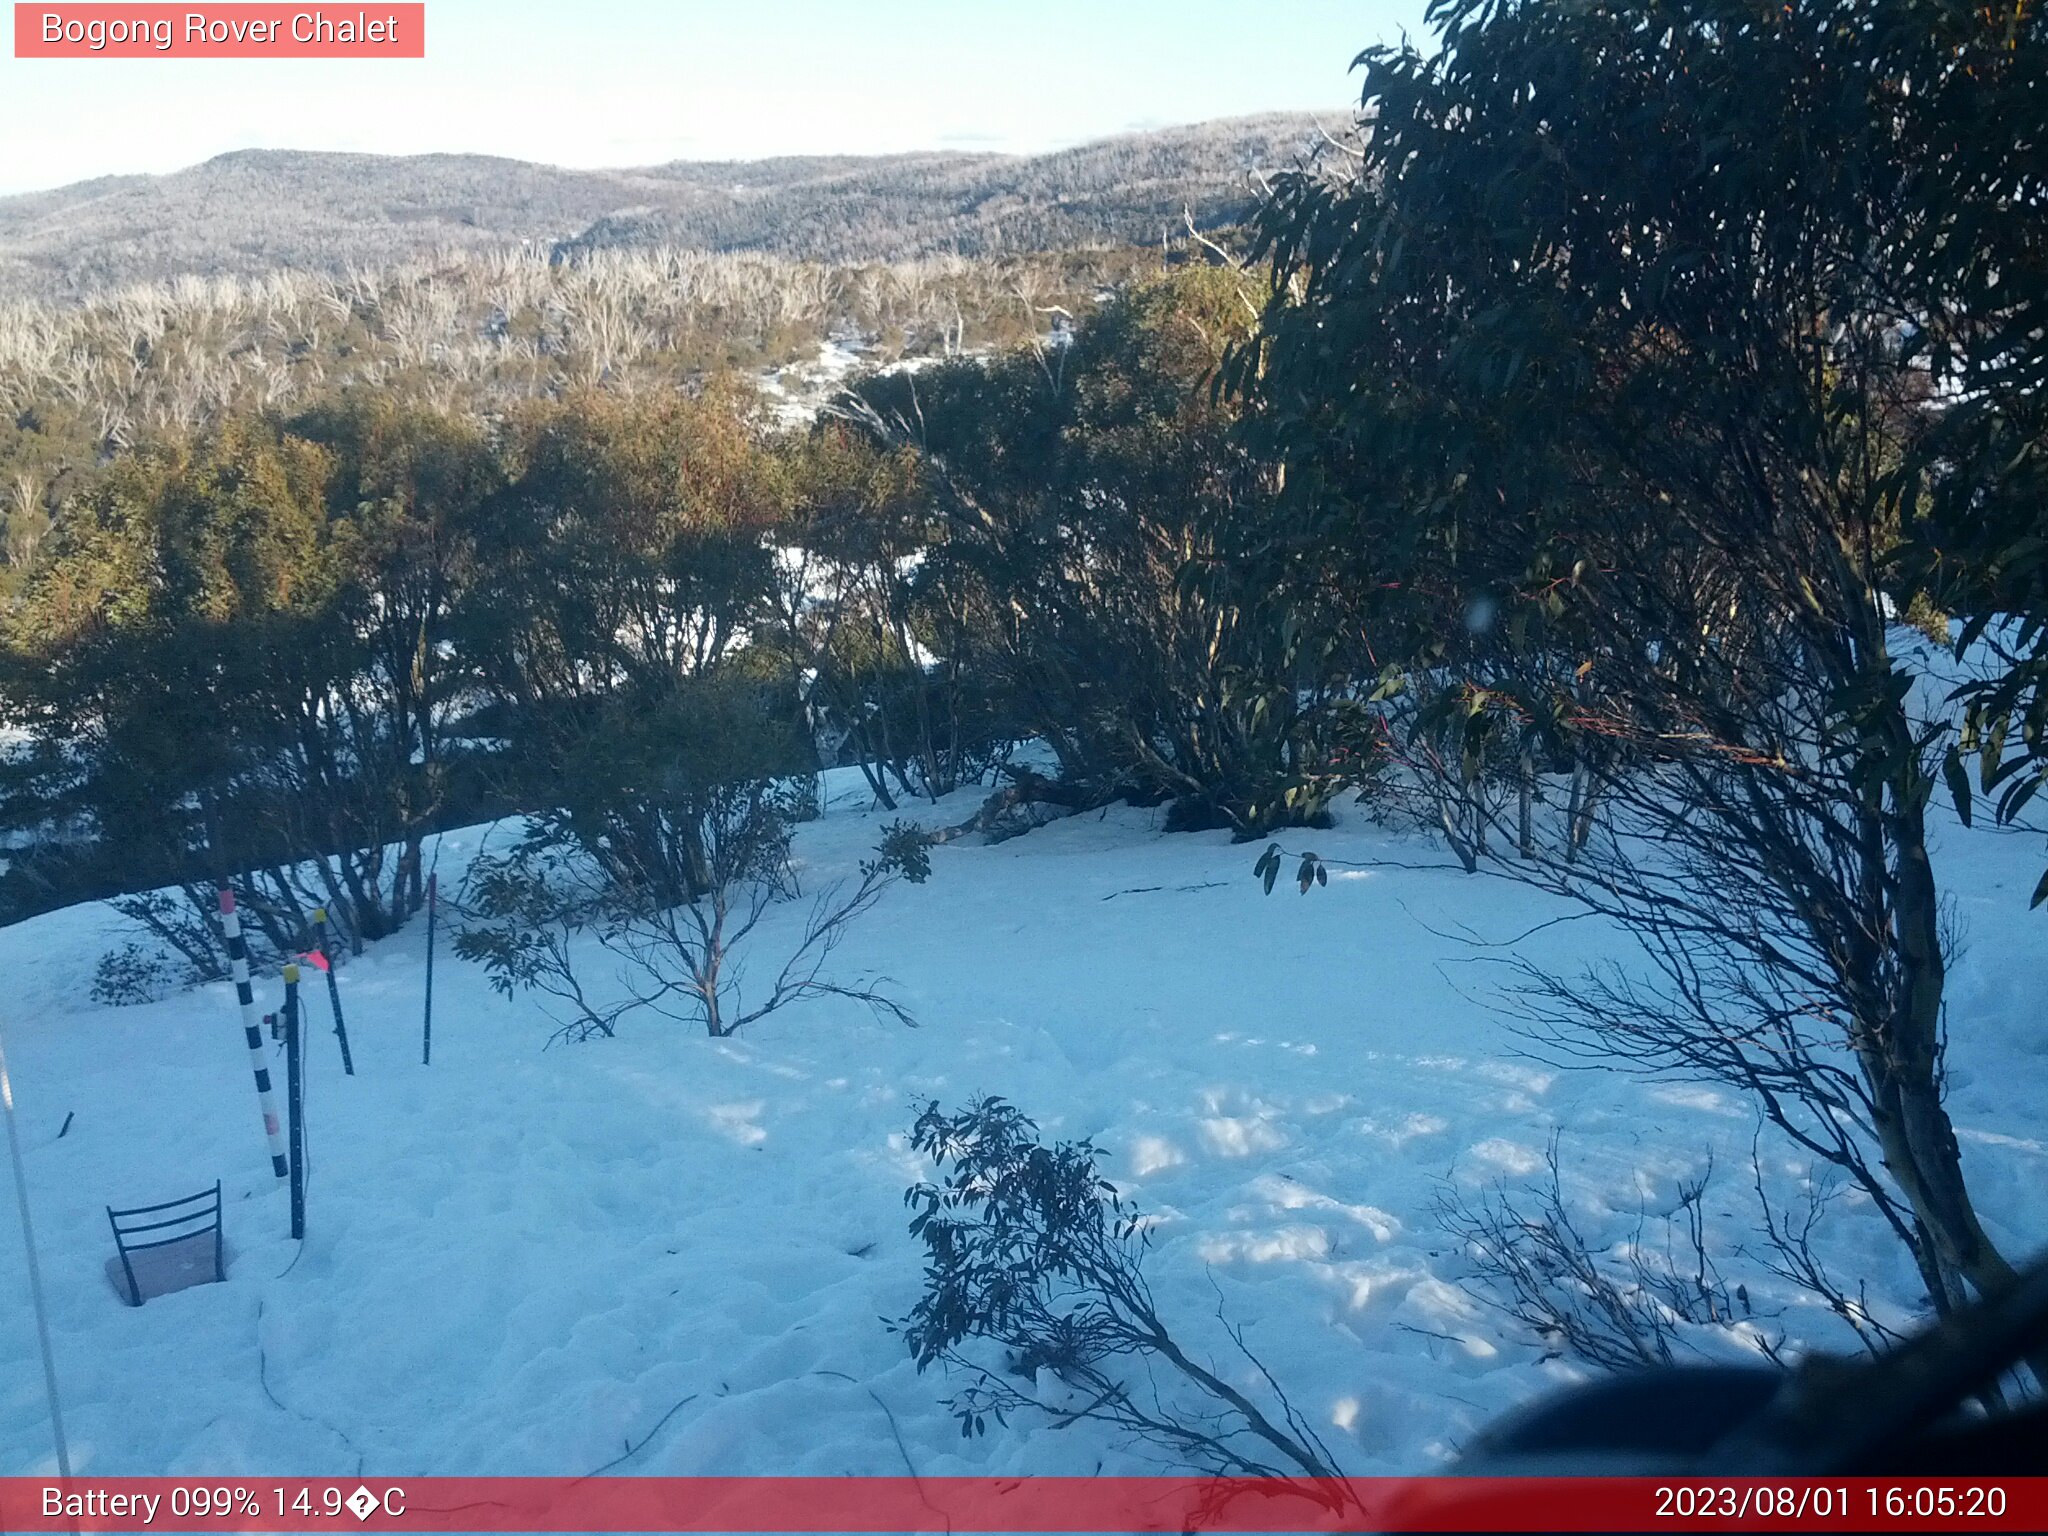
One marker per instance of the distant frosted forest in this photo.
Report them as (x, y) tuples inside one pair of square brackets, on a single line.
[(257, 211), (82, 384)]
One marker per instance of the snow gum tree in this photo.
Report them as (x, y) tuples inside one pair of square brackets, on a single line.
[(239, 645), (669, 845), (1083, 493), (1609, 361)]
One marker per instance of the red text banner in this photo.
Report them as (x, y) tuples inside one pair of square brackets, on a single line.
[(239, 31), (1051, 1504)]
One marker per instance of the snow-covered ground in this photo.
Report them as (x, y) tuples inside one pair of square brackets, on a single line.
[(797, 392), (520, 1261)]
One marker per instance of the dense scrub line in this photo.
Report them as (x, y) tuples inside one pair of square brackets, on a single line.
[(297, 642), (80, 384)]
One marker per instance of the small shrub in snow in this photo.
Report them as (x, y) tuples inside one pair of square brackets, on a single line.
[(684, 959), (133, 974), (907, 847), (1033, 1260), (1619, 1310), (691, 955), (523, 911)]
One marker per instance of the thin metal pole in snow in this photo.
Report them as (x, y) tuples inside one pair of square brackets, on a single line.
[(295, 1097), (252, 1030), (35, 1274), (433, 910), (326, 954)]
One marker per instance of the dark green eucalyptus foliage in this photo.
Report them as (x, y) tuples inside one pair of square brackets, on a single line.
[(626, 550), (1308, 874), (1029, 1250), (906, 847), (1600, 389), (523, 911), (406, 499), (1087, 491), (195, 639), (1014, 1225), (268, 651), (1976, 262), (1590, 245), (872, 629), (669, 793)]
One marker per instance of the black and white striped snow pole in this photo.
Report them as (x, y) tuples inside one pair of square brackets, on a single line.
[(252, 1029)]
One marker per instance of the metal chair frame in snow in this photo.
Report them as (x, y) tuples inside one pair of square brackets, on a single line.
[(198, 1215)]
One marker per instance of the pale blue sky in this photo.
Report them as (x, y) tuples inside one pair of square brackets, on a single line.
[(635, 82)]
